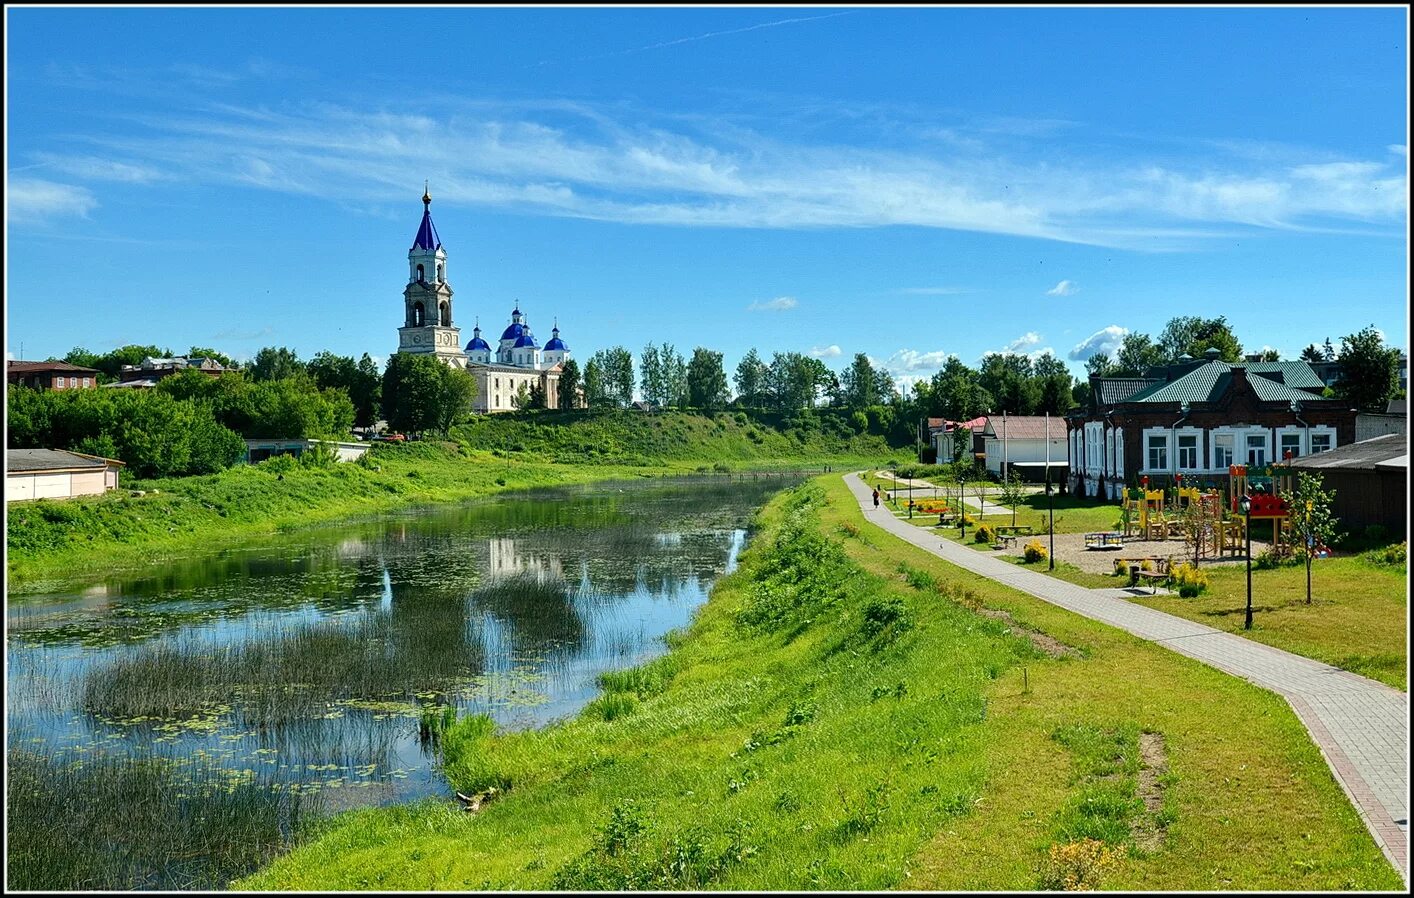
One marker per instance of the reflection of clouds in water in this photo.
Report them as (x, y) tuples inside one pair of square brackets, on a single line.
[(510, 607)]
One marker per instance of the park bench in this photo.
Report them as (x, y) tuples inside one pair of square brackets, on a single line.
[(1004, 540), (1137, 572), (1015, 530)]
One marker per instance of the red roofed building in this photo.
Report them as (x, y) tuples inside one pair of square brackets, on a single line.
[(1018, 443), (50, 375)]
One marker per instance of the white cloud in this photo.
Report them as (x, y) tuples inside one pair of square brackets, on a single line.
[(1399, 149), (1023, 342), (1064, 288), (912, 360), (32, 199), (564, 159), (95, 169), (779, 304), (1106, 340), (829, 352)]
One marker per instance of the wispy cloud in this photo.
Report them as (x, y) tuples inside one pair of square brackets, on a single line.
[(563, 159), (1106, 340), (33, 199), (1064, 288), (906, 360), (779, 304), (93, 168), (829, 352), (934, 291)]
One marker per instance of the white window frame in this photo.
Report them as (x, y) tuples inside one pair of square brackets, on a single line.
[(1247, 437), (1213, 435), (1151, 436), (1291, 431), (1119, 452), (1197, 434), (1323, 430)]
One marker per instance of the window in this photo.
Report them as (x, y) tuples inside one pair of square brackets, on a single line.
[(86, 382), (73, 381), (498, 383), (58, 383), (1222, 451), (1290, 442), (1256, 450), (1320, 442), (1158, 453), (1188, 452)]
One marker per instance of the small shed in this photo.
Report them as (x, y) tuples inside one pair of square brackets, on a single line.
[(57, 474), (1370, 479)]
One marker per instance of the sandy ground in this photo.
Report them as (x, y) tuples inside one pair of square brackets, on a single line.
[(1070, 548)]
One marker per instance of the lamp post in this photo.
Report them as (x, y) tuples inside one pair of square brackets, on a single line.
[(1246, 503), (1051, 507), (1310, 549), (910, 498), (961, 509)]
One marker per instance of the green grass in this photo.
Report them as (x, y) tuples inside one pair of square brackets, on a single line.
[(1357, 620), (54, 543), (830, 723)]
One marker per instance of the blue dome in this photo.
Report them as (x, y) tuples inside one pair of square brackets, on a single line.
[(513, 332), (477, 343), (556, 344), (526, 341)]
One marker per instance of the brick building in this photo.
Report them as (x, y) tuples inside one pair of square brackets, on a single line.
[(51, 375)]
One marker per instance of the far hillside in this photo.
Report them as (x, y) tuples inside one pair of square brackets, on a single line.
[(634, 437)]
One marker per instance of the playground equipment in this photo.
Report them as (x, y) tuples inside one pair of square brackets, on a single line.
[(1263, 485)]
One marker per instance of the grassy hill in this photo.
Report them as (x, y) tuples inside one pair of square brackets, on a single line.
[(630, 437)]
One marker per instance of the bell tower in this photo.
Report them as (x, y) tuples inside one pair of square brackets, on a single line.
[(427, 299)]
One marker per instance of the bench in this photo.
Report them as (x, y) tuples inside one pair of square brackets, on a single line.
[(1159, 573), (1004, 541), (1015, 530)]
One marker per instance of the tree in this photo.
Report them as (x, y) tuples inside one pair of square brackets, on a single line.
[(1328, 350), (1008, 378), (110, 364), (421, 393), (594, 395), (359, 380), (273, 363), (750, 380), (1311, 519), (706, 380), (569, 384), (203, 352), (613, 376), (861, 385), (1054, 385), (1137, 354), (1194, 336), (793, 381), (1312, 354), (1369, 371), (1099, 365), (1270, 355), (673, 371), (650, 372), (521, 399)]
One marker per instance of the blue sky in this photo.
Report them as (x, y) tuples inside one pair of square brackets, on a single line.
[(908, 183)]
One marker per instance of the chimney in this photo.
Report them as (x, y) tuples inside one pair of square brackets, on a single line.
[(1239, 377)]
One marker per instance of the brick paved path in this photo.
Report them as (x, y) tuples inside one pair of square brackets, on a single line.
[(1361, 726)]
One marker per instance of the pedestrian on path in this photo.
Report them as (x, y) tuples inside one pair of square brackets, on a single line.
[(876, 497)]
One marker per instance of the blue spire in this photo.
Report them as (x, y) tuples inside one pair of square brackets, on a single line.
[(427, 233)]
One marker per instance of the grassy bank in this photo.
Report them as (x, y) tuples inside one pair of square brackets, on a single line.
[(53, 542), (849, 712)]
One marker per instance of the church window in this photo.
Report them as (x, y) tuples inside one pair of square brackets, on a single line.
[(446, 315), (417, 314), (420, 275), (441, 272)]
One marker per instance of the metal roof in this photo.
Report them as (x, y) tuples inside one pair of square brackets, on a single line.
[(1208, 382), (1118, 389), (31, 460), (1385, 452), (17, 367)]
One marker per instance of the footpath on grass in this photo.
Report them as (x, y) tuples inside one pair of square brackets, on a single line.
[(1361, 726)]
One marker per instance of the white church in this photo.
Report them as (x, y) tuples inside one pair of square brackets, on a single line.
[(518, 361)]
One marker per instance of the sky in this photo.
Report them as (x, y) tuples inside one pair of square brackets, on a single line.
[(909, 183)]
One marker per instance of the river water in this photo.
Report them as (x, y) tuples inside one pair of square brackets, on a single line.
[(311, 672)]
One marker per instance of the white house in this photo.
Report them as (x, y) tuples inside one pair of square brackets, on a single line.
[(1019, 442)]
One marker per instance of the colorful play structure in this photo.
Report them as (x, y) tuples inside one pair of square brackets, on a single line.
[(1210, 523)]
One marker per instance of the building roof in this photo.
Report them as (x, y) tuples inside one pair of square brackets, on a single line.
[(1024, 427), (34, 460), (1396, 407), (1117, 389), (526, 340), (1271, 381), (477, 342), (1386, 452), (555, 343), (427, 238), (18, 367)]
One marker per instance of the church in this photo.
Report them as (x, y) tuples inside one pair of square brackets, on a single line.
[(517, 363)]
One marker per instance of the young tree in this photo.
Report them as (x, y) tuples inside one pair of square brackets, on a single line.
[(522, 398), (594, 393), (1054, 382), (1369, 371), (750, 380), (1099, 365), (273, 363), (673, 372), (421, 393), (1194, 336), (613, 376), (706, 380), (1312, 521), (859, 385), (650, 373), (569, 385), (1312, 354)]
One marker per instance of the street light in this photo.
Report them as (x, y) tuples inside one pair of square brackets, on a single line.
[(1051, 506), (961, 509), (1246, 503), (910, 498)]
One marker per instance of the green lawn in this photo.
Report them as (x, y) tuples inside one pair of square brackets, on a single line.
[(842, 714), (1358, 619)]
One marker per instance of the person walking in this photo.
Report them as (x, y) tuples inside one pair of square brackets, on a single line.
[(876, 497)]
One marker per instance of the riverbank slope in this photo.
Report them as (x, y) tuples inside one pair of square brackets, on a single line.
[(849, 712)]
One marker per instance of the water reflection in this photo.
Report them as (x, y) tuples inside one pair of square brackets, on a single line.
[(304, 667)]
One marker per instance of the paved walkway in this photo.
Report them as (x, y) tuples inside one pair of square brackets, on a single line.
[(1361, 726)]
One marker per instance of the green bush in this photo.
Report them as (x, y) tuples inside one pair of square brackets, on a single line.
[(985, 533), (1034, 552), (1394, 555), (1188, 579)]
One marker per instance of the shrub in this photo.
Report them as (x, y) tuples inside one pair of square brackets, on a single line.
[(1034, 551), (1188, 580), (613, 705), (984, 534), (1076, 866), (890, 615), (1393, 555), (1121, 567)]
